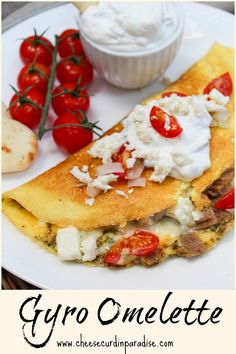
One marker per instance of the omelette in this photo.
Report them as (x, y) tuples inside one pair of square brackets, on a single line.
[(114, 204)]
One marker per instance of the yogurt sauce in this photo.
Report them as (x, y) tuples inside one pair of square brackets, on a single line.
[(130, 26), (184, 157)]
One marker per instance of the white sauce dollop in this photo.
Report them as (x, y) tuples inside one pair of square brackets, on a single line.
[(129, 26), (184, 157)]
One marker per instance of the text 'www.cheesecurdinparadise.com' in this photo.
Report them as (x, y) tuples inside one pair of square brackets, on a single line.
[(143, 342)]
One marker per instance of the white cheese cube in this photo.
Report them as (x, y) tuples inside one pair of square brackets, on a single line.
[(68, 244), (89, 244)]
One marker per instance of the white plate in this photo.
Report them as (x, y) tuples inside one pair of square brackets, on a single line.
[(21, 256)]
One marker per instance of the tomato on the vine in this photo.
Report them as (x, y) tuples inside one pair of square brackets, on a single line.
[(70, 97), (36, 48), (74, 68), (26, 112), (36, 75), (70, 44), (72, 138)]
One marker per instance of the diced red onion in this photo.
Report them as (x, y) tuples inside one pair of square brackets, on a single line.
[(137, 182), (110, 167), (92, 191), (136, 171)]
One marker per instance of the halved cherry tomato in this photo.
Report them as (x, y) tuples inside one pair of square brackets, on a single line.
[(36, 46), (168, 94), (122, 155), (114, 255), (69, 97), (141, 243), (70, 44), (158, 119), (222, 83), (226, 201), (36, 75)]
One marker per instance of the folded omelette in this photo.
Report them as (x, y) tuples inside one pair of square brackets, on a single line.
[(143, 220)]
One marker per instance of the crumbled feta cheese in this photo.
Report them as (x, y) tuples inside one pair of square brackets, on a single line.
[(197, 105), (197, 215), (171, 104), (68, 244), (159, 175), (130, 190), (85, 168), (219, 114), (89, 201), (99, 183), (140, 124), (121, 193), (107, 146), (83, 177), (161, 171), (130, 162), (184, 212), (128, 147), (91, 191), (167, 122), (218, 97), (102, 182)]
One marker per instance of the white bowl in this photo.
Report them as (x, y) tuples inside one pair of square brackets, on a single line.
[(134, 70)]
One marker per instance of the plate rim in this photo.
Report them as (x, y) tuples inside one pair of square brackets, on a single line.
[(210, 8)]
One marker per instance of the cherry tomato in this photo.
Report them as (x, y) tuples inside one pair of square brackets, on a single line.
[(73, 69), (36, 75), (114, 255), (141, 243), (25, 112), (121, 156), (226, 201), (164, 123), (36, 46), (74, 99), (71, 139), (222, 83), (168, 94), (70, 43)]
